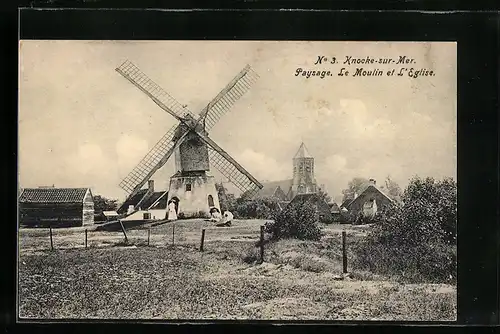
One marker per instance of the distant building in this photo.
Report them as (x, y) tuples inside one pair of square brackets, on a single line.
[(303, 181), (370, 201), (322, 209), (279, 190), (58, 207), (107, 216), (145, 199), (335, 212)]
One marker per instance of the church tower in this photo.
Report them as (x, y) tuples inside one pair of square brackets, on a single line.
[(303, 172)]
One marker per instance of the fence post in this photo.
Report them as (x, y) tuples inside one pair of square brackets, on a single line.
[(85, 238), (344, 253), (51, 243), (262, 244), (173, 234), (149, 233), (202, 239), (123, 230)]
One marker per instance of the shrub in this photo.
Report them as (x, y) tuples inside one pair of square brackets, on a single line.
[(251, 255), (415, 242), (295, 221), (260, 208)]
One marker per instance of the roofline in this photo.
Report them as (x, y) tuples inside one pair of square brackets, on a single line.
[(376, 188), (87, 189)]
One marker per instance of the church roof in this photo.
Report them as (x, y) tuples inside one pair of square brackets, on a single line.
[(269, 188), (302, 152)]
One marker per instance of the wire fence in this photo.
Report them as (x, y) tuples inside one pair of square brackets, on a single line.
[(200, 237)]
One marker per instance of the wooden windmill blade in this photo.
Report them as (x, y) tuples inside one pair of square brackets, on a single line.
[(133, 74), (154, 160), (228, 96), (231, 169)]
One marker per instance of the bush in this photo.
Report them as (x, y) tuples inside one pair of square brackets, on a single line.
[(251, 255), (415, 242), (295, 221), (256, 209)]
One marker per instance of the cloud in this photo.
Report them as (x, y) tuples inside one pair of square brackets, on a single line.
[(263, 167), (130, 150), (91, 167)]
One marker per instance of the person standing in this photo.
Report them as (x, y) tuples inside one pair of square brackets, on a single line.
[(172, 213)]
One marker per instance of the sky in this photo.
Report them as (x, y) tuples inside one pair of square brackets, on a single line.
[(81, 124)]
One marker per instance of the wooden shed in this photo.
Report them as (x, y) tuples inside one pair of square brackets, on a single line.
[(58, 207)]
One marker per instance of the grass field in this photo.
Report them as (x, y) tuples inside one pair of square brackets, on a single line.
[(298, 280)]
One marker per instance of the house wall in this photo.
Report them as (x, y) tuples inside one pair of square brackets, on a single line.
[(88, 209), (63, 214), (370, 193)]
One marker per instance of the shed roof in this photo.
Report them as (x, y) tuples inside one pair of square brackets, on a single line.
[(53, 195), (162, 204), (110, 213)]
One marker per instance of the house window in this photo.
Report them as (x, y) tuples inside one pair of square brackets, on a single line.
[(188, 187), (308, 168)]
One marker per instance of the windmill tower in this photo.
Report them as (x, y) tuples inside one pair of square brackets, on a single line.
[(194, 151), (304, 181)]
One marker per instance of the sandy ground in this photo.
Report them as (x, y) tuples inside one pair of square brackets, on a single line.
[(165, 281)]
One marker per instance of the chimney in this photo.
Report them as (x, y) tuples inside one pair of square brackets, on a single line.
[(372, 181), (151, 185), (130, 209), (355, 195)]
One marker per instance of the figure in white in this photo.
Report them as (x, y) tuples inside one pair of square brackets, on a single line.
[(172, 214), (214, 214), (226, 219), (228, 216)]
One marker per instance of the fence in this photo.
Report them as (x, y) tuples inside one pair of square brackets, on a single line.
[(201, 238)]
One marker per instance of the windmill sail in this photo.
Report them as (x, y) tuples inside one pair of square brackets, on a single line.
[(231, 169), (235, 176), (221, 104), (133, 74), (153, 161)]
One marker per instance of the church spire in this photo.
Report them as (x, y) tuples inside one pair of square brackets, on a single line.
[(302, 152)]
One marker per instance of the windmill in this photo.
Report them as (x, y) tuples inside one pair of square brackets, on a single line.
[(194, 151)]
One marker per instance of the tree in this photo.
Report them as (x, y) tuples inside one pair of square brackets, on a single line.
[(260, 208), (227, 201), (102, 203), (296, 221), (356, 185), (416, 240), (324, 195), (436, 202), (392, 190)]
